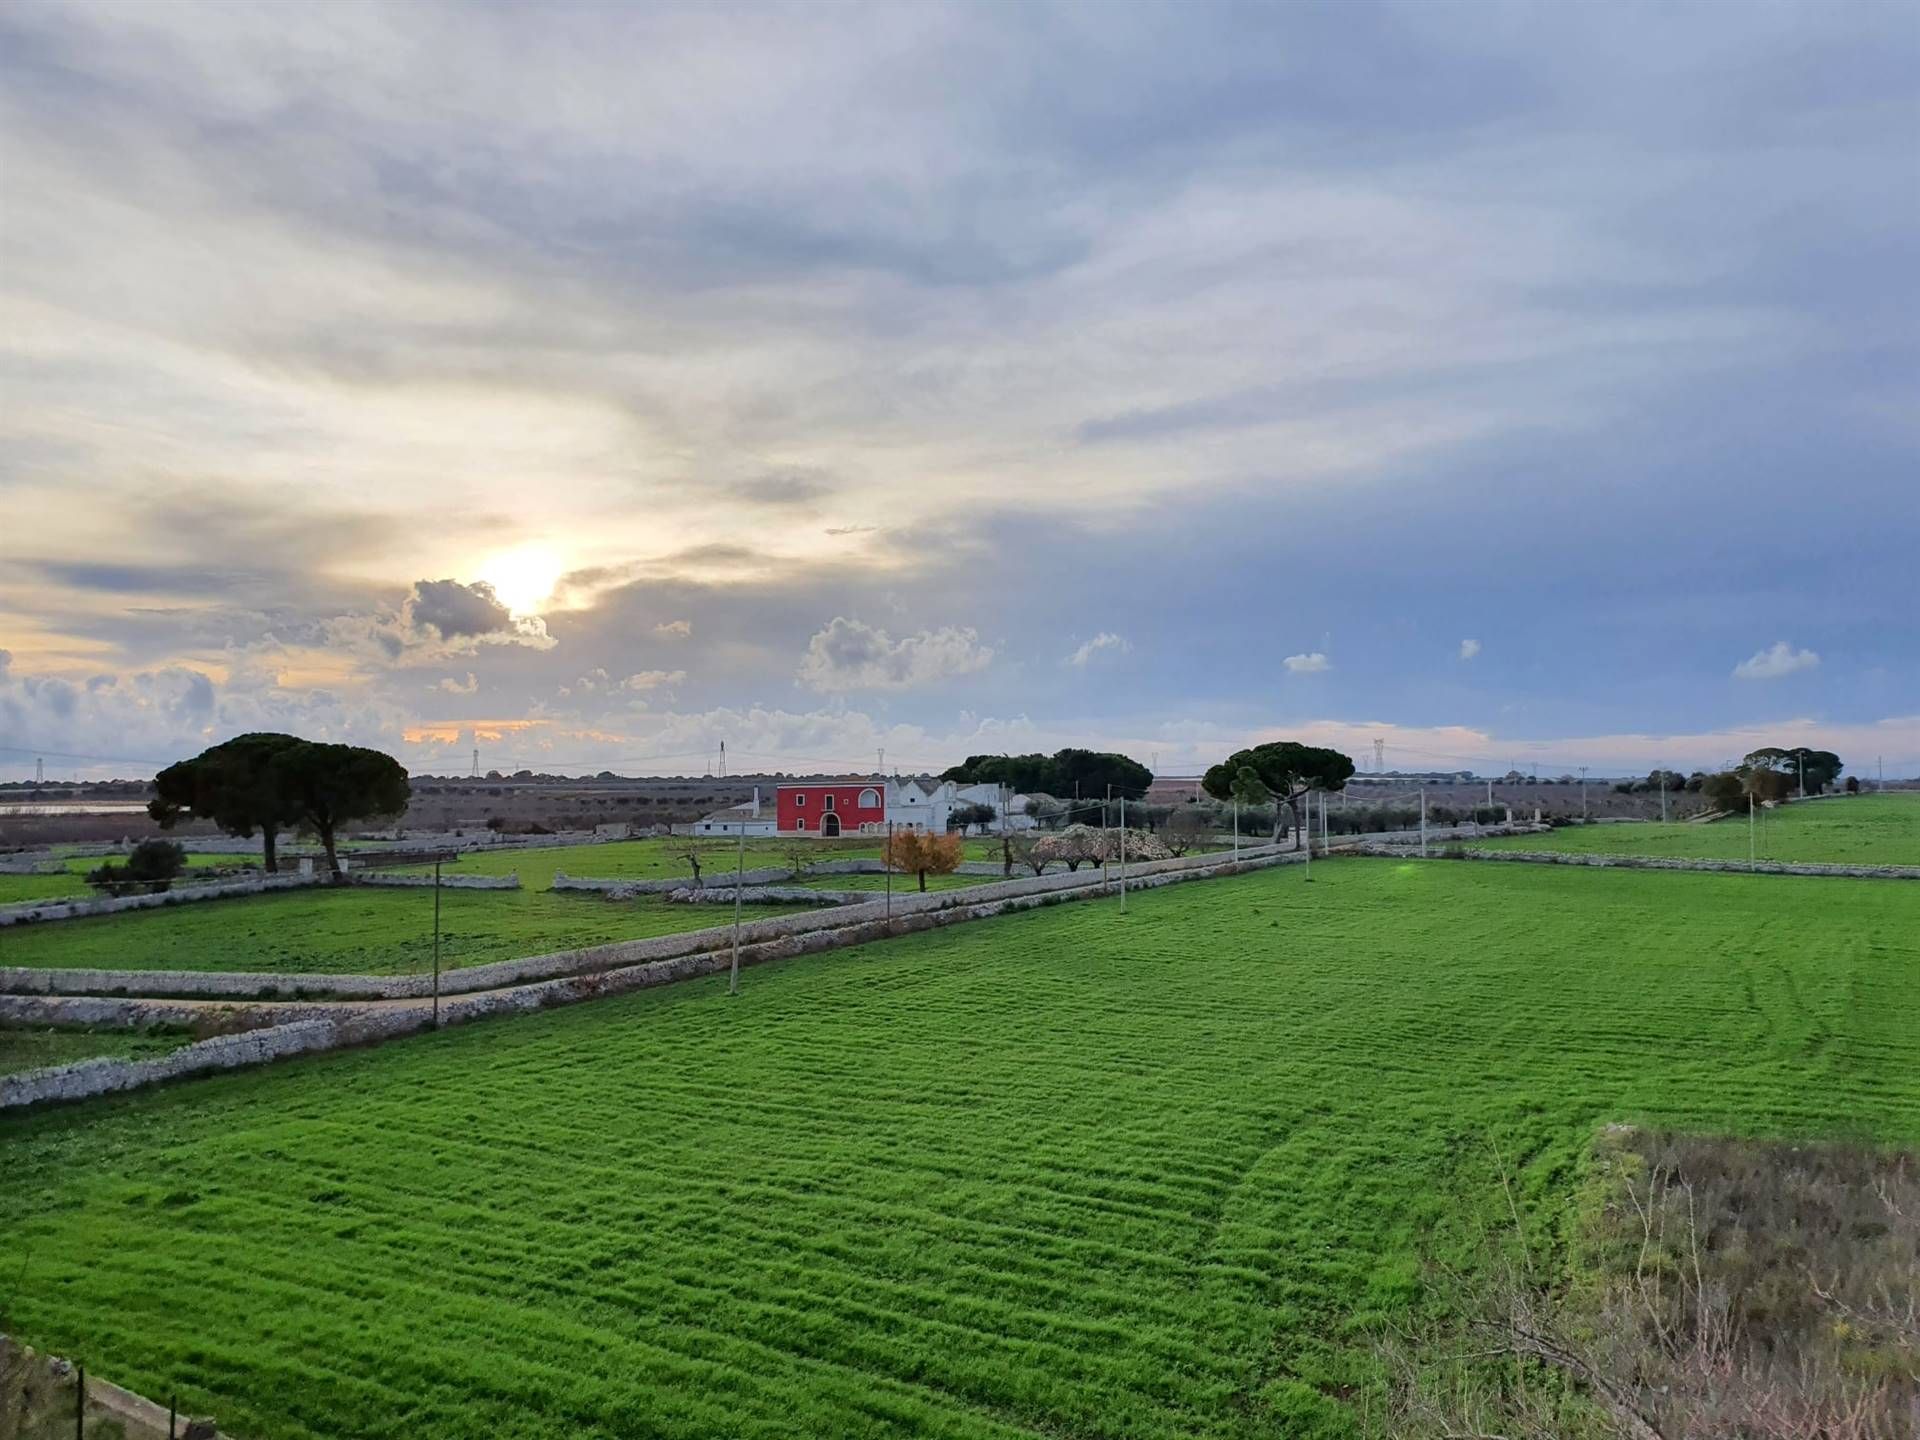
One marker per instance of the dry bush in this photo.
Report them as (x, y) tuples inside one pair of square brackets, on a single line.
[(1753, 1291)]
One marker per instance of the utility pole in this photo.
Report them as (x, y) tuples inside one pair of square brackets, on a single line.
[(739, 883), (1123, 854), (888, 860), (436, 944), (1802, 758), (1423, 822), (1750, 852), (1309, 835)]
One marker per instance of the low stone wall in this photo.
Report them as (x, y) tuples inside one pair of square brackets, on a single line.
[(40, 1394), (381, 879), (84, 1078), (710, 951), (1657, 862), (624, 889), (29, 912), (766, 895)]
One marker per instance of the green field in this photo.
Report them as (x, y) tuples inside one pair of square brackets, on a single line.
[(30, 1049), (390, 932), (1065, 1173), (71, 883), (351, 931), (1856, 830)]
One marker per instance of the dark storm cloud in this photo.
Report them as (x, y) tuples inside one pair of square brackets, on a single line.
[(456, 610)]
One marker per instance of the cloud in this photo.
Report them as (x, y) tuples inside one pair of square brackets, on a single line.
[(451, 686), (653, 679), (438, 619), (598, 682), (458, 611), (852, 655), (673, 629), (1776, 660), (787, 487), (1310, 664), (1469, 649), (1105, 640)]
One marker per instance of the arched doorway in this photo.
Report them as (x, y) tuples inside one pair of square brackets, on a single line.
[(829, 825)]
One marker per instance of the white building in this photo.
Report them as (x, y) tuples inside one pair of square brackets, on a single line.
[(928, 804), (746, 818)]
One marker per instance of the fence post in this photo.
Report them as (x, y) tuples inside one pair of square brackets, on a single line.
[(80, 1406)]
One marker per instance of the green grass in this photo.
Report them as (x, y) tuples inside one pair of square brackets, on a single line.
[(31, 1049), (1057, 1174), (350, 931), (71, 883), (1857, 830)]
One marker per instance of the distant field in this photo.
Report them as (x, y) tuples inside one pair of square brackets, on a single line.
[(389, 932), (663, 859), (350, 931), (72, 882), (1065, 1173), (1854, 830)]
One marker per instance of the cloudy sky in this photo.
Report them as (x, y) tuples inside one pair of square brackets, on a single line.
[(1527, 384)]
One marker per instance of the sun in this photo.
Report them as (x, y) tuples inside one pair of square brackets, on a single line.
[(524, 577)]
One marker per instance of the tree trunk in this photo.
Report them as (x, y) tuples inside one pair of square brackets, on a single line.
[(923, 882), (1293, 808), (269, 842), (325, 833)]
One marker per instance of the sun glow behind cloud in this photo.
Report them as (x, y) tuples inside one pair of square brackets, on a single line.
[(524, 578)]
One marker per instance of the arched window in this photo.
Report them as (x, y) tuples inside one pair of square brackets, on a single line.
[(869, 799)]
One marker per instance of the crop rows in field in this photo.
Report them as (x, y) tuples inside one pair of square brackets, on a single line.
[(1061, 1173), (1854, 830)]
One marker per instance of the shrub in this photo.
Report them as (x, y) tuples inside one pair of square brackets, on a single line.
[(151, 866)]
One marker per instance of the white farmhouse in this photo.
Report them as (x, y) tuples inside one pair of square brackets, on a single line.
[(746, 818)]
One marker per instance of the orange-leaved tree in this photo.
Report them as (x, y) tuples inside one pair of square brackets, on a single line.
[(922, 853)]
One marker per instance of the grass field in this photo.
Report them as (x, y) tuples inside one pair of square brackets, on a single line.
[(71, 883), (1857, 830), (390, 932), (351, 931), (31, 1049), (1065, 1173)]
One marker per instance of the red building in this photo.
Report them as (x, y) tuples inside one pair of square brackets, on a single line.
[(842, 807)]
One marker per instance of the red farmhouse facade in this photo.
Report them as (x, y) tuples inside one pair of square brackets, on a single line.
[(841, 808)]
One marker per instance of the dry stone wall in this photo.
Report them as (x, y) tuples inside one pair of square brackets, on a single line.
[(37, 911), (389, 881), (766, 895)]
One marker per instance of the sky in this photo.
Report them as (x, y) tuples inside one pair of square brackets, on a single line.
[(590, 384)]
